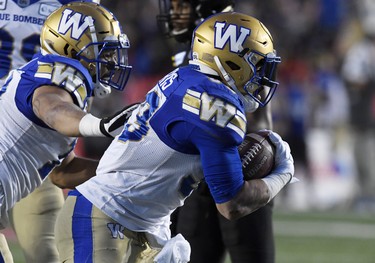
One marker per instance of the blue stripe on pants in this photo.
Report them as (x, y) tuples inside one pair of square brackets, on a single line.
[(82, 230)]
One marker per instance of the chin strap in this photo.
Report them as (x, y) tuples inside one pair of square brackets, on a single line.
[(225, 74), (249, 104)]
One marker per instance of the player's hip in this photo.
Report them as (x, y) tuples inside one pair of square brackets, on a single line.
[(86, 234)]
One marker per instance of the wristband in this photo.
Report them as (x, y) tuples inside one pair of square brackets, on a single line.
[(89, 126), (275, 182)]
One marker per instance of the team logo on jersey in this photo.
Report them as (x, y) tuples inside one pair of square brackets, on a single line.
[(213, 109), (45, 9), (232, 34), (77, 22)]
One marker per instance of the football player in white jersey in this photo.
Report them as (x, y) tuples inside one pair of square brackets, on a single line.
[(43, 108), (187, 130), (33, 217), (211, 235)]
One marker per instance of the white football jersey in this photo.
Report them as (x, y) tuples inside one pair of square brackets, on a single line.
[(146, 173), (152, 190), (28, 148)]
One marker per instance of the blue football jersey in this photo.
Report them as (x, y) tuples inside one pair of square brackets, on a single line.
[(187, 130)]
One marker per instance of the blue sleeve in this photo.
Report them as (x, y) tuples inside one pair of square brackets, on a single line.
[(220, 159)]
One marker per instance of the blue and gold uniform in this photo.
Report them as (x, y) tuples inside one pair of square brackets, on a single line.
[(23, 134), (186, 130)]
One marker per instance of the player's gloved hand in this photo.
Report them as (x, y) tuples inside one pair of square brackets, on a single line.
[(284, 163), (113, 125), (283, 172)]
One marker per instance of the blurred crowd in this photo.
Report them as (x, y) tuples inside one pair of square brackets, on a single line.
[(325, 103)]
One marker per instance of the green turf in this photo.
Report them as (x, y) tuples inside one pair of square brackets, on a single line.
[(324, 237), (313, 238), (324, 250), (325, 216)]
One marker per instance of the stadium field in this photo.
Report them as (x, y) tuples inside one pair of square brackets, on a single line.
[(324, 238), (303, 237)]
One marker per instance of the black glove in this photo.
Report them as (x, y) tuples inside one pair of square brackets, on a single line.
[(113, 125)]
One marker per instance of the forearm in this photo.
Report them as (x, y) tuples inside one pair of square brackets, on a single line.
[(75, 172), (55, 107), (253, 195), (65, 119)]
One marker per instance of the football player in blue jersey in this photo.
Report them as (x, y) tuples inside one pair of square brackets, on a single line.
[(33, 217), (210, 235), (43, 108), (187, 130)]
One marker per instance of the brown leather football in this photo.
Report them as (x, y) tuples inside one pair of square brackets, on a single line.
[(257, 155)]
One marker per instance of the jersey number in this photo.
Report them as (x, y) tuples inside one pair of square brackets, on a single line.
[(28, 48), (135, 131)]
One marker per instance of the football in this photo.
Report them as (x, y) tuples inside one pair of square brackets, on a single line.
[(257, 155)]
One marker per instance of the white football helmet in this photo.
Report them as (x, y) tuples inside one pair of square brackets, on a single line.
[(91, 34), (239, 49)]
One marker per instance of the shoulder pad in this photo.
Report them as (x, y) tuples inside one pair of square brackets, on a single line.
[(214, 112), (68, 74)]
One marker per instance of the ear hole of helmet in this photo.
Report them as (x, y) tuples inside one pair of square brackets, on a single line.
[(66, 52)]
